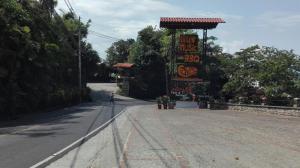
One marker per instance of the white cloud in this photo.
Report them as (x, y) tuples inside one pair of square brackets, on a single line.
[(125, 8), (232, 46), (124, 18), (278, 21)]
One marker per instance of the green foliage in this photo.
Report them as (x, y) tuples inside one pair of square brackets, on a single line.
[(146, 54), (135, 52), (93, 68), (151, 53), (262, 71), (212, 64), (252, 73), (37, 55), (242, 71), (119, 51)]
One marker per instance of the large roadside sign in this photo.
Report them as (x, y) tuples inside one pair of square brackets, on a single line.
[(188, 58), (188, 65)]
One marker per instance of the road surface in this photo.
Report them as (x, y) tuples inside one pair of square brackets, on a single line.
[(146, 137), (27, 141)]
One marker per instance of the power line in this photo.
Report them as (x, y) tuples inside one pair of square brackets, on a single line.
[(100, 34), (73, 8), (103, 35), (69, 6)]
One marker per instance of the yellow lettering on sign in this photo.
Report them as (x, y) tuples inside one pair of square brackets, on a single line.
[(192, 58), (188, 43)]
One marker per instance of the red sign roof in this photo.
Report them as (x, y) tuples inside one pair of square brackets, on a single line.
[(192, 20), (123, 65), (189, 23)]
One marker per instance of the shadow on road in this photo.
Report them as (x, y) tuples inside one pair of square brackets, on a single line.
[(39, 133), (62, 116)]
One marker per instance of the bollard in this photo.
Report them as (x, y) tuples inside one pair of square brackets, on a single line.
[(296, 102), (263, 100), (208, 105)]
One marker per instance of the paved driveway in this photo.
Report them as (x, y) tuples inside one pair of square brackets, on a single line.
[(146, 137)]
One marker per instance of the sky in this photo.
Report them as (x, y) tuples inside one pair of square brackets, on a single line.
[(274, 23)]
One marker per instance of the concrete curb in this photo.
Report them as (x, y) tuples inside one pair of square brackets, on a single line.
[(75, 144)]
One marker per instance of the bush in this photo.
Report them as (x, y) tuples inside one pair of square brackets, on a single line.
[(66, 97), (280, 101)]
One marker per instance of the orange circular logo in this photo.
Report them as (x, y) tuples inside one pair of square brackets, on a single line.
[(186, 71)]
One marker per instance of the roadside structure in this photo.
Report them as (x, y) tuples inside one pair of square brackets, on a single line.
[(125, 71), (187, 63)]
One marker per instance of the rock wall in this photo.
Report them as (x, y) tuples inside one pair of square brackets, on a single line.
[(285, 111)]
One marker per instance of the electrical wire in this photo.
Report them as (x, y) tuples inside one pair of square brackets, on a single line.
[(71, 9), (71, 6), (74, 5), (68, 6), (103, 35)]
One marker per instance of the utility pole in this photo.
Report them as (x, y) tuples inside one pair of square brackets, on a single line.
[(173, 52), (172, 62), (167, 76), (79, 59)]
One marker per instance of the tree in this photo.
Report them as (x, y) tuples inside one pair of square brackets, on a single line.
[(256, 71), (153, 48), (38, 48), (93, 69), (49, 5), (118, 52), (279, 72), (146, 54), (242, 70), (213, 67)]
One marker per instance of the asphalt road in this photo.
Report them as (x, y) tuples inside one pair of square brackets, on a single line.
[(29, 140)]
